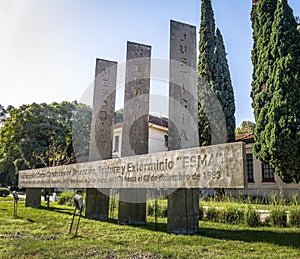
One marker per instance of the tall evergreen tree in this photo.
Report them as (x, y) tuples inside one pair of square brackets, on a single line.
[(213, 68), (206, 64), (262, 17), (207, 41), (276, 90), (223, 87)]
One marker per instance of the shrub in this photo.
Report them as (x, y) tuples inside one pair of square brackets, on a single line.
[(4, 192), (151, 208), (252, 218), (294, 198), (278, 216), (231, 215), (66, 198), (161, 209), (213, 214), (268, 221), (294, 218), (277, 199), (201, 212)]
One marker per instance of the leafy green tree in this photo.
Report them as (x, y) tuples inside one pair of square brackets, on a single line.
[(40, 135), (3, 113), (246, 127), (119, 116), (276, 89)]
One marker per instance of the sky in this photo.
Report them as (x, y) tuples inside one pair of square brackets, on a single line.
[(48, 49)]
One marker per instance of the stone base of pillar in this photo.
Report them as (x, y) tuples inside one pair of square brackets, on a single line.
[(183, 212), (132, 207), (33, 197), (97, 204)]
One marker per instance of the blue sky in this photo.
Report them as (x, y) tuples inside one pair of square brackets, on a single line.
[(48, 48)]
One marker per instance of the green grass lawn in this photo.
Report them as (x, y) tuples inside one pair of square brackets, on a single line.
[(236, 204), (43, 233), (9, 198)]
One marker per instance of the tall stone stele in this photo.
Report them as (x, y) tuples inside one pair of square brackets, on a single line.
[(183, 204), (135, 131), (97, 200)]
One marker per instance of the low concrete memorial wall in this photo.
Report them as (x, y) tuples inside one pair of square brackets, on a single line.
[(218, 166)]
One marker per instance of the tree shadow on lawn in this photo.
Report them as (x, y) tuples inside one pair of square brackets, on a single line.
[(282, 239), (251, 236), (288, 239), (59, 210), (158, 227)]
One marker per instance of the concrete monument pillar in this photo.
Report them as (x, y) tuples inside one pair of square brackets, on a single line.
[(33, 197), (183, 204), (97, 200), (135, 132)]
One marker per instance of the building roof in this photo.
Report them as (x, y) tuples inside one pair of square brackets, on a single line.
[(158, 121), (245, 137), (152, 119)]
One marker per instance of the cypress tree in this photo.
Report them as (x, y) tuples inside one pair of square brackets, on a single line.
[(223, 87), (206, 64), (277, 102), (206, 61), (262, 17), (213, 68)]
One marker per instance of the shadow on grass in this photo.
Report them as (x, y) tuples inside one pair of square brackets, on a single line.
[(282, 239), (288, 239), (59, 210), (158, 227)]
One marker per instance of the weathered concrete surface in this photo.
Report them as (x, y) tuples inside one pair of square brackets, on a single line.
[(97, 204), (103, 110), (33, 197), (135, 132), (132, 213), (202, 167), (97, 200), (136, 104), (183, 204), (183, 211)]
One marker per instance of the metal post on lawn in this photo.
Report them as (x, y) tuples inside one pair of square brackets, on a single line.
[(16, 199), (78, 222), (78, 206), (72, 220)]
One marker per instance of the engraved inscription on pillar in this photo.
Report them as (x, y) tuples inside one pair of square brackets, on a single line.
[(103, 110), (136, 107), (183, 89), (183, 207)]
